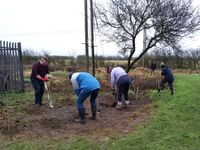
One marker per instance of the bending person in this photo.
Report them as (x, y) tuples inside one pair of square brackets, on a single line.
[(85, 85), (120, 78)]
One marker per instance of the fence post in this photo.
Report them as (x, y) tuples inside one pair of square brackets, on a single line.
[(21, 68)]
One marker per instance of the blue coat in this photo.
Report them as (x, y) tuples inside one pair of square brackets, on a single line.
[(167, 73), (84, 82)]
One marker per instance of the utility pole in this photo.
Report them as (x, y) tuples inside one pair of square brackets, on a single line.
[(144, 44), (92, 36), (86, 36)]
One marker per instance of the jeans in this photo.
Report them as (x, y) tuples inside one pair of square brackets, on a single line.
[(83, 96), (123, 88), (39, 90)]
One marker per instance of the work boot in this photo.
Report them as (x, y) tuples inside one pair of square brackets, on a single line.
[(126, 103), (81, 118), (119, 106), (172, 91), (113, 104), (94, 111)]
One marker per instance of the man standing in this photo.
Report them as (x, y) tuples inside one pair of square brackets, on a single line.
[(85, 85), (38, 76), (153, 68), (167, 77), (122, 80)]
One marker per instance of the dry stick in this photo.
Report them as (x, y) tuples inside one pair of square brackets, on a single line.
[(8, 119), (137, 93), (98, 105)]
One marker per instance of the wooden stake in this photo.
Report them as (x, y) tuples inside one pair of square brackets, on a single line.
[(137, 93)]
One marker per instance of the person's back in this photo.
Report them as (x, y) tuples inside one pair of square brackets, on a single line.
[(122, 80), (166, 71), (85, 85), (115, 74), (87, 82)]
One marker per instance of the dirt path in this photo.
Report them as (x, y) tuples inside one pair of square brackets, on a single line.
[(58, 122)]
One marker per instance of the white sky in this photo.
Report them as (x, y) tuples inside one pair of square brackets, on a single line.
[(56, 26)]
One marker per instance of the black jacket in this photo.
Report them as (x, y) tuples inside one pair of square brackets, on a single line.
[(167, 73)]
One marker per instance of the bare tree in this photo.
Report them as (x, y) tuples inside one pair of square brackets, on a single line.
[(166, 22)]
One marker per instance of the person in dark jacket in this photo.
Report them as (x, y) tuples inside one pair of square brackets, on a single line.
[(153, 67), (167, 77), (85, 85), (38, 76)]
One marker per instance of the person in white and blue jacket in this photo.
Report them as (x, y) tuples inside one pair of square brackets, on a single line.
[(85, 85)]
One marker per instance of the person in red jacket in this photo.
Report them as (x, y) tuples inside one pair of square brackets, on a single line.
[(38, 76)]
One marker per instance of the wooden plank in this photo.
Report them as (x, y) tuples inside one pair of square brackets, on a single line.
[(1, 66), (21, 68), (15, 65), (1, 55), (7, 69), (10, 65)]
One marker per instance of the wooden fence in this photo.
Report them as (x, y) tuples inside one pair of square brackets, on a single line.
[(11, 68)]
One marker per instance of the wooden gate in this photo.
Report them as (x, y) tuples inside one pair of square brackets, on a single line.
[(11, 68)]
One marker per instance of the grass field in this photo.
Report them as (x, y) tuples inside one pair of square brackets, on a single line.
[(174, 124)]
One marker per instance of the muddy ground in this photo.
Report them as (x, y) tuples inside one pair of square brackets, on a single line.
[(59, 121), (42, 121)]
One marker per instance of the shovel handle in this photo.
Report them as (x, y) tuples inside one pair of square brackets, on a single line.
[(45, 85)]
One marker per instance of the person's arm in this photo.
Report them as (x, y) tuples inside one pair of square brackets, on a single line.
[(47, 70), (112, 75), (46, 78), (39, 77), (77, 92), (75, 83), (163, 73), (42, 79)]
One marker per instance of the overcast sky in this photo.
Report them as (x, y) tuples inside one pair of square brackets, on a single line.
[(56, 26)]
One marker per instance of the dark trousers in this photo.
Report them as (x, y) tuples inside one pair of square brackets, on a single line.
[(170, 83), (83, 96), (123, 88), (39, 90)]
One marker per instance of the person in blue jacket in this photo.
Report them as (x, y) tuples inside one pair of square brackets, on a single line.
[(85, 85), (167, 77)]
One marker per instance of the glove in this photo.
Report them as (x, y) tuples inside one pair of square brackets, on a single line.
[(113, 92), (45, 79)]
